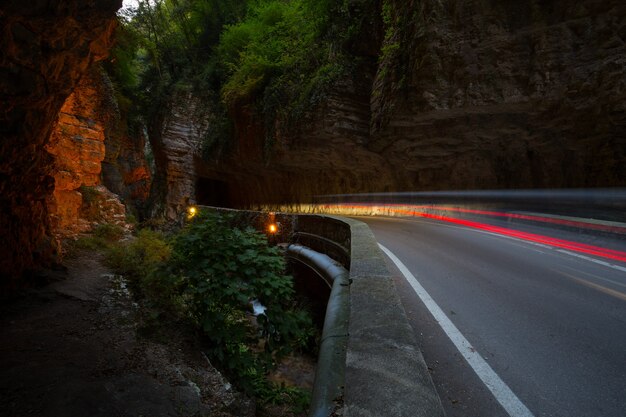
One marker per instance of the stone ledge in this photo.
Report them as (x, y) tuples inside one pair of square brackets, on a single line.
[(385, 372)]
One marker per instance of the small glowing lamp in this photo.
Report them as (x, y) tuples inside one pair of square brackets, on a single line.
[(192, 211), (272, 228)]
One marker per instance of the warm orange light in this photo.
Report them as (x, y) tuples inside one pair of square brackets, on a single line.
[(272, 228), (192, 211)]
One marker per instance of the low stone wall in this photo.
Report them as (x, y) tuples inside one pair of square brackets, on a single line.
[(385, 372)]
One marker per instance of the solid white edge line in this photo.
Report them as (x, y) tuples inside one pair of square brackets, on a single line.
[(594, 260), (503, 394)]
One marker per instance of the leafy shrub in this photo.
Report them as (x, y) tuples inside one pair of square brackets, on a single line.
[(221, 269), (86, 243), (140, 257), (209, 273), (139, 260), (109, 232), (103, 238), (276, 38)]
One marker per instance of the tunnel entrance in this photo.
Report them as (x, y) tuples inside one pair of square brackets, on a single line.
[(212, 192)]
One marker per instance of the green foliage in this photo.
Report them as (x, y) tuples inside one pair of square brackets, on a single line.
[(209, 273), (141, 256), (391, 44), (281, 56), (103, 238), (131, 218), (109, 232), (139, 260), (90, 194), (222, 269), (276, 37), (86, 243), (401, 32), (272, 394)]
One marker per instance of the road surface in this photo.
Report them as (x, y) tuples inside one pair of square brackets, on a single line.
[(551, 325)]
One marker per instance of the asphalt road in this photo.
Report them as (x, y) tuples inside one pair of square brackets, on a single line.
[(551, 325)]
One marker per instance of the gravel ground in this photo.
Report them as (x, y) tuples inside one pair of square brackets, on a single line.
[(72, 348)]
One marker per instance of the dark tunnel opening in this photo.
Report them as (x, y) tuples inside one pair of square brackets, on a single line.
[(212, 192)]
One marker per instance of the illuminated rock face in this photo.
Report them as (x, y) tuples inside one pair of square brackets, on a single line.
[(45, 48), (78, 146)]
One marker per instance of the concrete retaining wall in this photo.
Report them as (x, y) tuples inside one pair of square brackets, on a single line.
[(385, 371)]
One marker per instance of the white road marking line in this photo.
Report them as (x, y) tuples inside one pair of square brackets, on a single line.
[(597, 261), (503, 394)]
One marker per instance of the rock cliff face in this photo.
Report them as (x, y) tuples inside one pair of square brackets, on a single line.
[(462, 95), (454, 95), (176, 140), (491, 94), (326, 153), (78, 146), (329, 155), (45, 48), (124, 169)]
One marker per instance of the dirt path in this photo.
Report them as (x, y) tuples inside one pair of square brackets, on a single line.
[(71, 349)]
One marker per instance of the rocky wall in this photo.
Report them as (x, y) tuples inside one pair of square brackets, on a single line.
[(466, 95), (77, 144), (503, 94), (474, 94), (45, 48), (176, 139), (329, 155), (125, 170), (326, 151)]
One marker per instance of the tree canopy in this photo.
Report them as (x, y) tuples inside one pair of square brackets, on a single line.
[(280, 55)]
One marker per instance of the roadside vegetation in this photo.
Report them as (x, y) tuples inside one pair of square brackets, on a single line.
[(277, 58), (276, 61), (207, 276)]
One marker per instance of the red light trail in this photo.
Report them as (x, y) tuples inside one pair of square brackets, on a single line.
[(531, 237)]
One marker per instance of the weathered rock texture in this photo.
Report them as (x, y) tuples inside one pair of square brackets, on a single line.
[(455, 95), (78, 146), (45, 48), (326, 153), (329, 155), (176, 141), (490, 94), (124, 169)]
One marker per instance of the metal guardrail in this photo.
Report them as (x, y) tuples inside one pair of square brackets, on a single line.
[(380, 346), (335, 250), (331, 364)]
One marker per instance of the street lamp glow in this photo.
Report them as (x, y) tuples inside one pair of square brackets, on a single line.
[(272, 228)]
